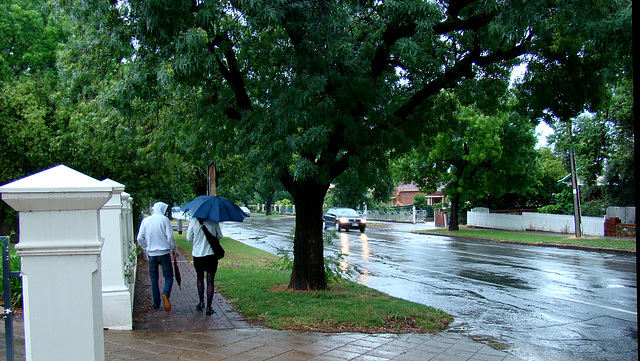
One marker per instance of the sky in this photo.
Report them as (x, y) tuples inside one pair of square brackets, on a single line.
[(542, 130)]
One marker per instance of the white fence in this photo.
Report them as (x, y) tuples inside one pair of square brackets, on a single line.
[(279, 209), (559, 223), (397, 216), (627, 215)]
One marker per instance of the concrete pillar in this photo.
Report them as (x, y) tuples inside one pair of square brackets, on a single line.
[(116, 299), (127, 207), (129, 236), (60, 246)]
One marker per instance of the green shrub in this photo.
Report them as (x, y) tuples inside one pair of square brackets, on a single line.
[(551, 209), (420, 201), (563, 203), (595, 208)]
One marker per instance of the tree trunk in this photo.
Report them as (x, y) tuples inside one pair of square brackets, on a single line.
[(453, 217), (308, 258), (268, 204), (212, 184)]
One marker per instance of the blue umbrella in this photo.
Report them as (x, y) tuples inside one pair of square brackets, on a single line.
[(218, 209)]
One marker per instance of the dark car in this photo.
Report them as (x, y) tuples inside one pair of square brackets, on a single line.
[(343, 218)]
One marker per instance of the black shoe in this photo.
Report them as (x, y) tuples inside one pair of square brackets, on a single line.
[(210, 311), (200, 306)]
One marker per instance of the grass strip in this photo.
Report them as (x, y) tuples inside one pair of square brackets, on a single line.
[(251, 280), (538, 239)]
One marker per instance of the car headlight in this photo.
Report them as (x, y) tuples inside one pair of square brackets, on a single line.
[(344, 220)]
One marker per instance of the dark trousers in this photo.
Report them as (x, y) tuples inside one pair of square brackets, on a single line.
[(155, 262)]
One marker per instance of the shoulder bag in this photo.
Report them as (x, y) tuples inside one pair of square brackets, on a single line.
[(214, 242)]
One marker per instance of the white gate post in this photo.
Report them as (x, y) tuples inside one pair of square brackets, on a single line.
[(59, 245), (130, 249), (116, 299)]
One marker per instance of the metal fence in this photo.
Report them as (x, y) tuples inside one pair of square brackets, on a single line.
[(406, 216), (7, 274), (399, 216)]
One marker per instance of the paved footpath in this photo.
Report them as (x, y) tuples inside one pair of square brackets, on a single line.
[(187, 334)]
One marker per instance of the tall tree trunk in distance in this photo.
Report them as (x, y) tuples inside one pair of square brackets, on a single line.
[(308, 259), (453, 217), (212, 180), (268, 204)]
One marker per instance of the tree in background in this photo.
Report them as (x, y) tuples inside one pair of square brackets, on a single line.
[(548, 169), (584, 66), (249, 183), (353, 189), (619, 174), (32, 134), (54, 97), (604, 147), (474, 156), (588, 137)]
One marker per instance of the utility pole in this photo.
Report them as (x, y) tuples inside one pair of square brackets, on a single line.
[(576, 195), (577, 218), (211, 180)]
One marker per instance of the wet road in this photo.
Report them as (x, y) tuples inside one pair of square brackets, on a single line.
[(539, 303)]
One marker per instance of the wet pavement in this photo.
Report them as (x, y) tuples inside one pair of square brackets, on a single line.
[(187, 334), (539, 303), (263, 344), (183, 315)]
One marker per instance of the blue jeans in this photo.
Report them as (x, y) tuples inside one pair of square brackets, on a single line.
[(167, 272)]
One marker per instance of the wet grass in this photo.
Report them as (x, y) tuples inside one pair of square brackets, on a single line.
[(539, 239), (252, 281)]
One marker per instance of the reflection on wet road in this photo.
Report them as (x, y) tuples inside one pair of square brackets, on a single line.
[(539, 303)]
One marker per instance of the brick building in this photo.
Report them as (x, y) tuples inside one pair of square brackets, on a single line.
[(404, 194)]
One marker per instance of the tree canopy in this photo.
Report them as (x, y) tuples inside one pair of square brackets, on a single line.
[(312, 88), (54, 84)]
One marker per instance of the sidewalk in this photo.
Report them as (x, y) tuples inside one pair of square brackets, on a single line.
[(183, 315), (187, 334)]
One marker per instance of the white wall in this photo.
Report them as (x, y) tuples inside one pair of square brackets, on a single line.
[(117, 295), (558, 223)]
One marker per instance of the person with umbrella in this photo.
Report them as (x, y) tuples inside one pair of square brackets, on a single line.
[(156, 240), (204, 259), (207, 212)]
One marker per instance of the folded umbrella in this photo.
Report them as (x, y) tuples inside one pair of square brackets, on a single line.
[(215, 208), (176, 274)]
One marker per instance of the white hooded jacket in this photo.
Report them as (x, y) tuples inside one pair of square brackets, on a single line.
[(196, 235), (156, 233)]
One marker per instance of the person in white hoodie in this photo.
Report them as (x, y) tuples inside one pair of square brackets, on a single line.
[(155, 237)]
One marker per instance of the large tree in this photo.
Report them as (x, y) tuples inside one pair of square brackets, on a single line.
[(475, 156), (30, 131), (620, 168), (320, 86)]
